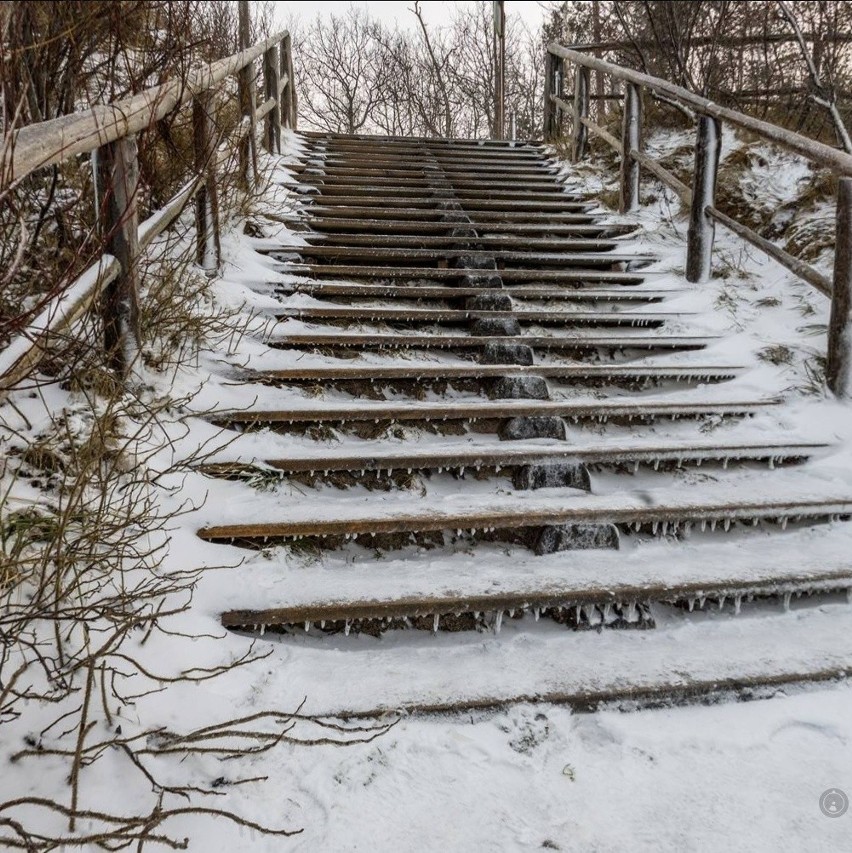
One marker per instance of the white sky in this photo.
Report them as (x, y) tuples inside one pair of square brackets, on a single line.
[(399, 11)]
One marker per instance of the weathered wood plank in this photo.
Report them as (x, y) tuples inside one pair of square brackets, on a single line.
[(839, 368), (272, 119), (289, 101), (631, 140), (208, 248), (579, 132), (36, 146), (118, 186), (810, 149), (699, 247)]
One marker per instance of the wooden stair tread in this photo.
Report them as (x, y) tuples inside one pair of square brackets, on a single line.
[(709, 501), (379, 410), (426, 370), (519, 291), (366, 314), (453, 254), (521, 580), (503, 455), (583, 669), (436, 273), (447, 341)]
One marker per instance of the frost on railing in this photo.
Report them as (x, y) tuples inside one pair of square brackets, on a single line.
[(107, 131), (710, 118)]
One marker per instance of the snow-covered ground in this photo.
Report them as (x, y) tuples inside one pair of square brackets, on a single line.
[(739, 776)]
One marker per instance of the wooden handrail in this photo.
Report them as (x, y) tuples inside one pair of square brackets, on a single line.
[(700, 198), (817, 152), (38, 145), (111, 129)]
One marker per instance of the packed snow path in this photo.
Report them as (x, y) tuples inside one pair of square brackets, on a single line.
[(489, 417)]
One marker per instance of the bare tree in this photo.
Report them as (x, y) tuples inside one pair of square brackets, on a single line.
[(340, 75)]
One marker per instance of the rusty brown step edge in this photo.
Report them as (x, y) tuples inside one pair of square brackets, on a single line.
[(438, 241), (506, 457), (422, 188), (512, 517), (566, 597), (384, 253), (423, 202), (600, 410), (413, 316), (402, 226), (587, 343), (519, 292), (433, 214), (576, 373), (578, 276)]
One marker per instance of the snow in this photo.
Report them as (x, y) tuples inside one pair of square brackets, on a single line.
[(744, 776)]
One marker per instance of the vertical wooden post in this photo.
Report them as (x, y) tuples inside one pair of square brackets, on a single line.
[(579, 131), (600, 103), (208, 247), (247, 151), (499, 40), (552, 86), (631, 140), (289, 102), (699, 248), (118, 185), (272, 122), (838, 370)]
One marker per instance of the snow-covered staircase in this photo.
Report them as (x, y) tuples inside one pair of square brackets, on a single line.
[(491, 420)]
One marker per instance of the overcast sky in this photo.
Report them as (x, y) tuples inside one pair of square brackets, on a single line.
[(390, 11)]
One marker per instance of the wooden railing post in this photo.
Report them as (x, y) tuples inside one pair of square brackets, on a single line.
[(699, 249), (579, 131), (631, 140), (272, 121), (838, 369), (552, 86), (247, 151), (289, 102), (208, 248), (118, 188)]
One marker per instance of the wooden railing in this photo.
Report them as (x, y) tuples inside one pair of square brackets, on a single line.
[(700, 197), (107, 132)]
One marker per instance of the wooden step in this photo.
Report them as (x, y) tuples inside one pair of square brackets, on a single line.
[(575, 374), (407, 226), (333, 176), (413, 316), (333, 137), (425, 203), (585, 343), (422, 189), (714, 661), (471, 168), (579, 276), (433, 241), (503, 455), (476, 217), (498, 410), (597, 586), (520, 292), (500, 257), (367, 173), (429, 153), (652, 511), (425, 151)]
